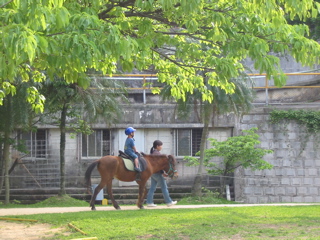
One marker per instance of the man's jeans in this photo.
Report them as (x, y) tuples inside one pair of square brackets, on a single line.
[(158, 179)]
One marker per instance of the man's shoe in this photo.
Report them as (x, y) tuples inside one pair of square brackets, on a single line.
[(172, 203), (151, 205), (137, 169)]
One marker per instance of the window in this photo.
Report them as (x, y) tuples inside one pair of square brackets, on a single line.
[(35, 142), (96, 144), (188, 141)]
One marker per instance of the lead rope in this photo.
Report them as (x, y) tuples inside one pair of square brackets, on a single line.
[(171, 169)]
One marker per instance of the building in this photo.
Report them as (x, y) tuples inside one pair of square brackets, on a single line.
[(295, 177)]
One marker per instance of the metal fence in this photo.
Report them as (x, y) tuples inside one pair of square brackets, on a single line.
[(302, 87)]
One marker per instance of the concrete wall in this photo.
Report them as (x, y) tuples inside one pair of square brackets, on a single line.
[(295, 176), (288, 65)]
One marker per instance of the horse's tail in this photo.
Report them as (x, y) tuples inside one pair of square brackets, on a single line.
[(88, 175)]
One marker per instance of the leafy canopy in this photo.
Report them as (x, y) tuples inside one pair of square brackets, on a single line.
[(82, 106), (177, 39)]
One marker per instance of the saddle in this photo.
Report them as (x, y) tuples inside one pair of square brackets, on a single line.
[(128, 161)]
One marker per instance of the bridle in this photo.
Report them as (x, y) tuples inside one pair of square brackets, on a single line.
[(171, 171)]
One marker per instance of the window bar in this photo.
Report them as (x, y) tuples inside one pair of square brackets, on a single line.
[(144, 90), (175, 142), (267, 94)]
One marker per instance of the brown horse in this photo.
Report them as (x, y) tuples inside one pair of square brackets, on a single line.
[(111, 167)]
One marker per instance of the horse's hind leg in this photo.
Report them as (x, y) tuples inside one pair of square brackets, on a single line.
[(110, 193), (95, 193)]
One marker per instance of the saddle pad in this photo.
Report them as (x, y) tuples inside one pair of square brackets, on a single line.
[(128, 163)]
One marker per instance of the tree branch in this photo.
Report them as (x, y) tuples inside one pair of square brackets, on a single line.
[(184, 66), (5, 4), (124, 4)]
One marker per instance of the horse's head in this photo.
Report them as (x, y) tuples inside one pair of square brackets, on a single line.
[(172, 172)]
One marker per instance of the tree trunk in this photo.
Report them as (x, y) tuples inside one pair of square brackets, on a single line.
[(6, 157), (62, 149), (6, 148), (223, 185), (2, 168), (197, 184)]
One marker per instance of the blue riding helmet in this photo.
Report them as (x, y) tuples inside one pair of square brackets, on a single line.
[(129, 130)]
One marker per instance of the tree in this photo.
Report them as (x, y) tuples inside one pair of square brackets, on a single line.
[(68, 37), (239, 102), (84, 107), (237, 151), (15, 113)]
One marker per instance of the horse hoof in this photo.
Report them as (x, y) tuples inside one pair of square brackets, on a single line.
[(93, 209), (142, 207)]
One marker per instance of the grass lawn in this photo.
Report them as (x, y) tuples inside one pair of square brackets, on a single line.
[(260, 222)]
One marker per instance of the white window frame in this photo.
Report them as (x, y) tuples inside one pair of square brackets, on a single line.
[(191, 135), (99, 139), (37, 149)]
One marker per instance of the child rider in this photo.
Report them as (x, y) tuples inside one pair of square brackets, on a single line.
[(130, 148)]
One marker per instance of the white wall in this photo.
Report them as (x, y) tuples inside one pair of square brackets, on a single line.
[(164, 135)]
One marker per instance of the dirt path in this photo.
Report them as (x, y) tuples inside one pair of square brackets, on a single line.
[(26, 231), (35, 231)]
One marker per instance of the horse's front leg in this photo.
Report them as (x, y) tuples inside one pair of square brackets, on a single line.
[(142, 194), (110, 193)]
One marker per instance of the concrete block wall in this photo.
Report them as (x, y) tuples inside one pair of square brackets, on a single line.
[(295, 176)]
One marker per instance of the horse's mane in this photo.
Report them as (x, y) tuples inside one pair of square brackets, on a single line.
[(159, 156)]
